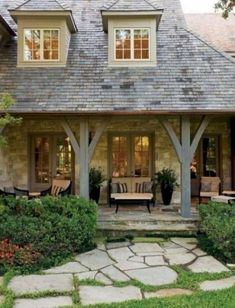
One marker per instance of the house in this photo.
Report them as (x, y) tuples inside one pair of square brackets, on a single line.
[(216, 30), (123, 85)]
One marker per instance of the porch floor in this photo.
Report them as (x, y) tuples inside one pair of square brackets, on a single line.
[(135, 220)]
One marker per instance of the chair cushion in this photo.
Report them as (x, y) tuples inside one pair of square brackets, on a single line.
[(206, 187), (56, 190), (138, 187), (148, 187)]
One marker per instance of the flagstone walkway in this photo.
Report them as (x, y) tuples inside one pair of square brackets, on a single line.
[(149, 263)]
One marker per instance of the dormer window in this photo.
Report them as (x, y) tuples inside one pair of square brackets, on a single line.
[(131, 26), (41, 44), (132, 44)]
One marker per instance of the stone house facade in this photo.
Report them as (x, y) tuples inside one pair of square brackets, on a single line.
[(128, 88)]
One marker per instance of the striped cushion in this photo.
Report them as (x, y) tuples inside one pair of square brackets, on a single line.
[(148, 187), (138, 187), (122, 188)]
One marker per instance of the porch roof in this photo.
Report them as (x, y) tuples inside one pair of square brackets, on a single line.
[(190, 76)]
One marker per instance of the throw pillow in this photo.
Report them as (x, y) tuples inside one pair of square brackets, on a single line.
[(148, 187), (114, 188), (206, 187), (122, 188), (138, 187)]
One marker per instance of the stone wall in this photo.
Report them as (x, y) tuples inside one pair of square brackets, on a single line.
[(15, 160)]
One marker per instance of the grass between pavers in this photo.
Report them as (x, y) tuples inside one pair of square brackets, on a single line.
[(8, 294), (212, 299)]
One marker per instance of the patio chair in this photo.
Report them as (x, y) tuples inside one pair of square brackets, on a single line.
[(209, 187), (21, 192), (58, 187)]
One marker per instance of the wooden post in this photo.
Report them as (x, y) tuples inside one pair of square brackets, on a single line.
[(84, 159), (185, 168), (185, 151)]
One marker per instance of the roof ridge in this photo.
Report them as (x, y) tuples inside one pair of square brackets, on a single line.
[(211, 45), (146, 1)]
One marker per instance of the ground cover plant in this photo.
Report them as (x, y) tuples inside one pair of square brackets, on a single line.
[(218, 230), (39, 233)]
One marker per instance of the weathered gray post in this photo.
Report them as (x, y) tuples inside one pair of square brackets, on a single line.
[(84, 159)]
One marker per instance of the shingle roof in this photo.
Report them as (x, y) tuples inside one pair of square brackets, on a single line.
[(6, 26), (189, 76), (131, 5), (41, 5), (217, 30)]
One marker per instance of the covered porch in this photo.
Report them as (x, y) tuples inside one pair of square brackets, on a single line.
[(67, 145)]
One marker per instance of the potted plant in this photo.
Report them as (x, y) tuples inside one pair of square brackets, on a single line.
[(167, 180), (96, 178)]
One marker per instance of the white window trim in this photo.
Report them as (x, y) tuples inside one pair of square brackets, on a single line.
[(132, 59), (41, 44)]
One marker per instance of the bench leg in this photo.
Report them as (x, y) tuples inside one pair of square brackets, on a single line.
[(148, 206), (117, 206)]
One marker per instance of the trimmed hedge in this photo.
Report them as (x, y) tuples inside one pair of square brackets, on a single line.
[(218, 224), (54, 228)]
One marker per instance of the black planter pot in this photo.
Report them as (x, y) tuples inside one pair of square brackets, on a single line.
[(95, 194), (166, 195)]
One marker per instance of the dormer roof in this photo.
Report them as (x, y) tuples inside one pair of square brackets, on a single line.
[(49, 5), (45, 8), (5, 27), (131, 8)]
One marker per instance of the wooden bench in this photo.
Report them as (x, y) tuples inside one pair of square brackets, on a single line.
[(131, 195), (223, 199)]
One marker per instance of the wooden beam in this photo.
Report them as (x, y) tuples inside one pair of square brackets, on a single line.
[(185, 167), (199, 132), (71, 136), (84, 159), (174, 139), (96, 139)]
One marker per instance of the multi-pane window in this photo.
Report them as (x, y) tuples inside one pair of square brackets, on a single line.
[(130, 155), (41, 44), (132, 44)]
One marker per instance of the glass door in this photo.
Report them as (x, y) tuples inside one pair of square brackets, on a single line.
[(51, 157)]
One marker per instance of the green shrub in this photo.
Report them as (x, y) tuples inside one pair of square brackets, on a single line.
[(218, 224), (54, 227)]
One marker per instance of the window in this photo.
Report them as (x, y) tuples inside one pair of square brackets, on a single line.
[(130, 155), (41, 45), (132, 44)]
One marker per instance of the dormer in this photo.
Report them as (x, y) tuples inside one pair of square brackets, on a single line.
[(6, 32), (131, 26), (44, 32)]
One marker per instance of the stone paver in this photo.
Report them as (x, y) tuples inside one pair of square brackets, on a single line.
[(1, 299), (146, 247), (153, 261), (96, 295), (103, 279), (189, 243), (71, 267), (47, 302), (122, 253), (101, 247), (170, 244), (86, 275), (207, 264), (41, 283), (95, 259), (175, 251), (212, 285), (136, 259), (128, 265), (198, 252), (168, 293), (180, 259), (154, 276), (117, 245), (114, 273)]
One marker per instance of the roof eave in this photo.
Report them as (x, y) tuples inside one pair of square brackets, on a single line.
[(109, 13), (6, 27), (67, 14)]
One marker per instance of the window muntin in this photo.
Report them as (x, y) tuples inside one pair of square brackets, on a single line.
[(132, 44), (41, 45)]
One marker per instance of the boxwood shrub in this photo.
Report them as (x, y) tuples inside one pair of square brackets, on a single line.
[(218, 226), (50, 228)]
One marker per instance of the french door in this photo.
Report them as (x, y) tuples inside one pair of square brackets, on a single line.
[(130, 155), (51, 157)]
